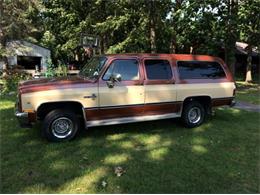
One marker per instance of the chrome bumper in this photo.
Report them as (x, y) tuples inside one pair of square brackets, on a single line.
[(22, 117)]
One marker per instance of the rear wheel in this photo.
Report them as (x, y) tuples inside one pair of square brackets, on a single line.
[(60, 125), (193, 114)]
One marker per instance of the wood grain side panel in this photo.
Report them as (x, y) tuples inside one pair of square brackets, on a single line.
[(221, 101), (132, 110), (114, 112), (162, 108)]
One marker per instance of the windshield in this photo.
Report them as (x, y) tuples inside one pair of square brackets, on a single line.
[(93, 67)]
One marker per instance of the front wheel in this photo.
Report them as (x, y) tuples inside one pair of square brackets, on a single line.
[(60, 125), (193, 114)]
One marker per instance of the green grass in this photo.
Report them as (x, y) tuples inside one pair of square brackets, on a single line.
[(221, 156), (248, 92)]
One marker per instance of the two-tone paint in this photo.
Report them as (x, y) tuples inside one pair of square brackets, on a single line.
[(140, 99)]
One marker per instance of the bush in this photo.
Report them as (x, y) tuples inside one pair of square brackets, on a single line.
[(11, 78), (52, 71), (61, 70)]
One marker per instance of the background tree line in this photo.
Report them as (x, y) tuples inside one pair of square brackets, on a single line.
[(156, 26)]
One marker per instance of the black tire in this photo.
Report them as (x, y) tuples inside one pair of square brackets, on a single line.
[(60, 125), (193, 114)]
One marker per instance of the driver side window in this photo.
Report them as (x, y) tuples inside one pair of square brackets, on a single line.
[(128, 69)]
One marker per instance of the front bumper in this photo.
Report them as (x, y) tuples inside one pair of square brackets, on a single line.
[(22, 117)]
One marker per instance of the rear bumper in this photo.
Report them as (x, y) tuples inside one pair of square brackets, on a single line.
[(22, 117)]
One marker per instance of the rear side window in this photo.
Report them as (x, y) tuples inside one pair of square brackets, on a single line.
[(158, 69), (200, 70), (128, 69)]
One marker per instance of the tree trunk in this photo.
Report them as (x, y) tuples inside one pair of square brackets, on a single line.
[(3, 40), (249, 65), (105, 43), (191, 50), (232, 35), (152, 28), (173, 45), (5, 66), (104, 35), (102, 45)]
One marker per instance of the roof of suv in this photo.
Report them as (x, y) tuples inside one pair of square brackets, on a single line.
[(189, 57)]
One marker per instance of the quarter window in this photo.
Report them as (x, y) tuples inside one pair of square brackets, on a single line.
[(128, 69), (200, 70), (158, 69)]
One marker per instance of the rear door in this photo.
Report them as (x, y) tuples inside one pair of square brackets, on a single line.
[(159, 87)]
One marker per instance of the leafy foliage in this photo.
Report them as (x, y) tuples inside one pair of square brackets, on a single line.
[(11, 78), (162, 26), (53, 71), (249, 22), (20, 19)]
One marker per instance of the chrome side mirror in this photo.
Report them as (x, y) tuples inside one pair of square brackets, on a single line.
[(116, 78), (113, 78)]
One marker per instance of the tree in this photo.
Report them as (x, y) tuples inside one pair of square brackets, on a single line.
[(232, 33), (162, 26), (64, 21), (249, 17), (16, 22), (152, 16), (135, 26)]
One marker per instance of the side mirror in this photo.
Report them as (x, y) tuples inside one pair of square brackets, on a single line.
[(95, 74), (116, 78), (113, 78)]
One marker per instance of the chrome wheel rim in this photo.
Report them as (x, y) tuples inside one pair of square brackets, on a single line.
[(194, 115), (62, 127)]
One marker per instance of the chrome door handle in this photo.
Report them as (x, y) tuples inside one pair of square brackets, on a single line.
[(93, 96)]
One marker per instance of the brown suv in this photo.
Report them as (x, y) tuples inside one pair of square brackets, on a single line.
[(124, 88)]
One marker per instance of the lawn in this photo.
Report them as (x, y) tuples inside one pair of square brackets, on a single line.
[(221, 156), (248, 92)]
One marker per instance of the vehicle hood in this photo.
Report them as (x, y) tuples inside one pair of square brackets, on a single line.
[(52, 83)]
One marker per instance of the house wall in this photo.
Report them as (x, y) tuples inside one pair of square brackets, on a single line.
[(24, 48)]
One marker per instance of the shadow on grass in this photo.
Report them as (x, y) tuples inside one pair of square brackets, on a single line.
[(158, 157)]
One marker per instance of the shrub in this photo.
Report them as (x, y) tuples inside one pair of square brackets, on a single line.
[(52, 71), (11, 78), (61, 70)]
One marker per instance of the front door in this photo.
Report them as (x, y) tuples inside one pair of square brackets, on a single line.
[(126, 97)]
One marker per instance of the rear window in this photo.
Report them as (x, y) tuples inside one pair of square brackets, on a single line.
[(158, 69), (200, 70)]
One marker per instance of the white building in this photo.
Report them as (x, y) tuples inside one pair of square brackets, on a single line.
[(28, 55)]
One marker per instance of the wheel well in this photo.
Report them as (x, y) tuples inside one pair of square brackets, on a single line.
[(45, 108), (203, 100)]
